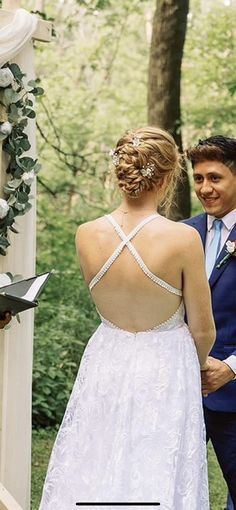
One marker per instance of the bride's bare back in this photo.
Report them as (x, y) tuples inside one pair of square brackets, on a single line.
[(125, 294)]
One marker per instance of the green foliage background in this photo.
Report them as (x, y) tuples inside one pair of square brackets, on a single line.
[(95, 77)]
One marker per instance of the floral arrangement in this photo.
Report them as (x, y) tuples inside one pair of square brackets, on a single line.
[(231, 252), (16, 108)]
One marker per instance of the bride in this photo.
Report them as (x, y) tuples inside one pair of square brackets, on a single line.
[(133, 431)]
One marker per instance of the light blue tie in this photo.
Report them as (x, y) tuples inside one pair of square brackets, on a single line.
[(214, 248)]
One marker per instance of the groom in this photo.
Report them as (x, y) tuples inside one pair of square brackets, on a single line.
[(214, 172)]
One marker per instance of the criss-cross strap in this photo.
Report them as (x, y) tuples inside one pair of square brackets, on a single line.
[(126, 241), (119, 248)]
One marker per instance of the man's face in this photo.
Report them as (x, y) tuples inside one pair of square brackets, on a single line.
[(215, 186)]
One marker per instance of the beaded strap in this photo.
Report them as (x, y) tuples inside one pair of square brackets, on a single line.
[(107, 265), (126, 242), (139, 260), (119, 248), (151, 275)]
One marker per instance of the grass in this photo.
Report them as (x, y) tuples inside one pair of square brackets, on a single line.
[(218, 490), (42, 442), (41, 448)]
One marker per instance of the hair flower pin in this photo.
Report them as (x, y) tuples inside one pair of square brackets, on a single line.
[(136, 141), (148, 170), (231, 252), (115, 157)]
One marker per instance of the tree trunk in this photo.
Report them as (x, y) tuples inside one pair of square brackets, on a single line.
[(168, 36)]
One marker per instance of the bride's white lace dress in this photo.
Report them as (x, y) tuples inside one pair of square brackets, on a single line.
[(133, 430)]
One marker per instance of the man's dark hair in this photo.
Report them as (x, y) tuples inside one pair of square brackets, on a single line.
[(214, 148)]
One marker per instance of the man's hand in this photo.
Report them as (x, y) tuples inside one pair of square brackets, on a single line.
[(5, 321), (218, 374)]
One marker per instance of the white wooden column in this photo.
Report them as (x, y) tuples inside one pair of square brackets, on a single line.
[(16, 345)]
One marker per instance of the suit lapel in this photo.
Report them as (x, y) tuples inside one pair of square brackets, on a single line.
[(217, 272), (200, 223)]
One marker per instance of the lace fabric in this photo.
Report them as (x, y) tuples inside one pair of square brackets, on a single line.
[(133, 430)]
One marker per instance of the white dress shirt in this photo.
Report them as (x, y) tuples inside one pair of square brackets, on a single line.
[(229, 220)]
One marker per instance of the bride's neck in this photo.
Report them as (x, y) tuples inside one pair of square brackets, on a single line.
[(139, 205)]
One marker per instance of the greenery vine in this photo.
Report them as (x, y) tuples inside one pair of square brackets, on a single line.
[(16, 108)]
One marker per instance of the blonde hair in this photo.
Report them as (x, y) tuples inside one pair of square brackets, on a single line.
[(155, 147)]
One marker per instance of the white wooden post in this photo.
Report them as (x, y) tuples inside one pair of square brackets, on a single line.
[(7, 502), (16, 345)]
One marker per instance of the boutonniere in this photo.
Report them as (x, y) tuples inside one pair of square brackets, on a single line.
[(231, 252)]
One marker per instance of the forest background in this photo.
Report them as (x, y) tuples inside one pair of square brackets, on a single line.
[(95, 76)]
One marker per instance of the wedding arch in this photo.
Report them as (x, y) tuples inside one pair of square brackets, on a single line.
[(17, 30)]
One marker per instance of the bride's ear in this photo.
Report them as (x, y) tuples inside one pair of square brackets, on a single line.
[(163, 182)]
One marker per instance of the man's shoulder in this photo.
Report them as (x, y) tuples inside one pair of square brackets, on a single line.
[(195, 220)]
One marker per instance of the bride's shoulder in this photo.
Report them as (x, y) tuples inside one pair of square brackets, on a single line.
[(185, 233), (90, 227)]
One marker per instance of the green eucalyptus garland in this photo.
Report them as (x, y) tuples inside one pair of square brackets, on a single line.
[(16, 108)]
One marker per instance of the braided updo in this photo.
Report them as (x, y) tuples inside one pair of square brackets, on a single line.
[(155, 149)]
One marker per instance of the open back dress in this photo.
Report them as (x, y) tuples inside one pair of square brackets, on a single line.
[(133, 430)]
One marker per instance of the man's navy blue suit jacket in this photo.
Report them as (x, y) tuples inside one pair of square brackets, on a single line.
[(223, 289)]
